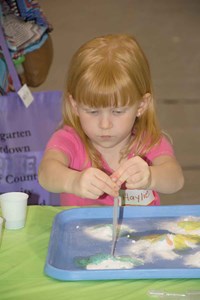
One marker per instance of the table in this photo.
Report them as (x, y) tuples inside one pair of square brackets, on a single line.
[(22, 258)]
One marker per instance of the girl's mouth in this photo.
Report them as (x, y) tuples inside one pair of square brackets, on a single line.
[(105, 137)]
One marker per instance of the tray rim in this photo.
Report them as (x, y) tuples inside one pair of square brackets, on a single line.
[(128, 212)]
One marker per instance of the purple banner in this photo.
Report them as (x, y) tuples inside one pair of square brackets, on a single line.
[(24, 133)]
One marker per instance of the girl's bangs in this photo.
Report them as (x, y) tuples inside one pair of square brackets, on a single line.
[(114, 95)]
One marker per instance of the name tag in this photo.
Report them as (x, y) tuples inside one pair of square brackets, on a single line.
[(136, 197)]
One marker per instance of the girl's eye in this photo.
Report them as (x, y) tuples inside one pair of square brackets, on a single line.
[(118, 111), (92, 112)]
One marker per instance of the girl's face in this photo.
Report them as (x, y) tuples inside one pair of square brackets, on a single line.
[(107, 127)]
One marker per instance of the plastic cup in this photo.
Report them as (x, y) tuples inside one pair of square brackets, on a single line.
[(14, 207)]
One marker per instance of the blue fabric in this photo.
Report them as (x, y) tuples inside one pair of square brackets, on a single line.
[(25, 26), (3, 77), (29, 10)]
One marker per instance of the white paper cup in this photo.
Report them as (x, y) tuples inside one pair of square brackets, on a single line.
[(14, 207)]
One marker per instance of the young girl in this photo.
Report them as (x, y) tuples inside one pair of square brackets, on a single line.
[(109, 143)]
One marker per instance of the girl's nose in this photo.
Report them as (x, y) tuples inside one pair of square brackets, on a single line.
[(105, 121)]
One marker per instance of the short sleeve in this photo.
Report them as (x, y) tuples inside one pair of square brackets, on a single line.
[(164, 147), (67, 141)]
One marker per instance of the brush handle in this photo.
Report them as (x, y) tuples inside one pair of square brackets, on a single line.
[(115, 224)]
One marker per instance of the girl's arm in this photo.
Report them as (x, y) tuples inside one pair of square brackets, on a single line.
[(55, 176), (164, 176)]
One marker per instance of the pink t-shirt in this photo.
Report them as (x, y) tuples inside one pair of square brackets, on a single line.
[(68, 141)]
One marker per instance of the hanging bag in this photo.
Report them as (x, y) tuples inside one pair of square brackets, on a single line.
[(27, 120)]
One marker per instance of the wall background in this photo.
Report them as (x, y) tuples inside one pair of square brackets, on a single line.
[(169, 33)]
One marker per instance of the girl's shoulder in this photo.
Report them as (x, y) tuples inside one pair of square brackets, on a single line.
[(67, 130), (163, 147), (68, 141), (66, 133), (65, 138)]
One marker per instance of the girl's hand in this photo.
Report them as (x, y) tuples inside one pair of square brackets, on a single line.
[(135, 172), (92, 183)]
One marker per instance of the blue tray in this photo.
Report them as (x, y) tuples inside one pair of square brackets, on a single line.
[(68, 241)]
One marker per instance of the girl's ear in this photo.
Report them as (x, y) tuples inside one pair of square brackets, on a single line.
[(144, 104), (73, 104)]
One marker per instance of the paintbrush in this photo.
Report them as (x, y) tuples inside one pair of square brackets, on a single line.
[(115, 224)]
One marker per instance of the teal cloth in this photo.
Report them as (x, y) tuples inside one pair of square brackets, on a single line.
[(22, 258)]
